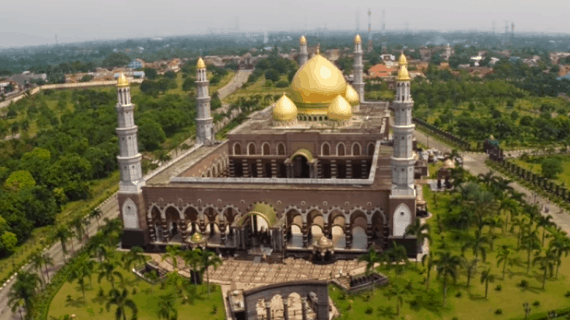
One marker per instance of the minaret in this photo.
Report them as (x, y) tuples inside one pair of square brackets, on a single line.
[(129, 157), (204, 123), (303, 53), (402, 159), (357, 82)]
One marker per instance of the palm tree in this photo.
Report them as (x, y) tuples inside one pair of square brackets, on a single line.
[(107, 271), (172, 253), (519, 223), (99, 246), (470, 267), (530, 243), (23, 291), (487, 277), (492, 223), (122, 301), (511, 206), (82, 269), (167, 307), (370, 258), (134, 256), (193, 258), (547, 261), (209, 259), (420, 231), (79, 227), (429, 262), (503, 256), (544, 222), (37, 261), (112, 228), (62, 234), (48, 261), (561, 245), (397, 291), (446, 267), (476, 243), (397, 254), (96, 213)]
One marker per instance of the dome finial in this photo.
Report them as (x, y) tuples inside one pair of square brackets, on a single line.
[(122, 81), (357, 39), (200, 64), (403, 74), (318, 48), (403, 61), (303, 40)]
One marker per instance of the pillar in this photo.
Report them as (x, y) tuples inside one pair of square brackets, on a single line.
[(304, 307), (232, 169), (286, 309), (223, 235), (348, 232), (268, 309), (333, 169), (245, 168), (319, 169), (183, 230), (274, 168), (259, 168), (305, 235), (349, 169), (165, 231), (369, 234), (364, 169)]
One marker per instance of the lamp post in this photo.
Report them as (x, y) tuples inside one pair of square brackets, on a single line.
[(526, 310)]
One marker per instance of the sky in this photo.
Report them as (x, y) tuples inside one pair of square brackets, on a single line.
[(35, 22)]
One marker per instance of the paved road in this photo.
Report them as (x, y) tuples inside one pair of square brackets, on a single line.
[(475, 164), (237, 81)]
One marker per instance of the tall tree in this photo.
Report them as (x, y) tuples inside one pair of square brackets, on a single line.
[(210, 259), (370, 258), (504, 257), (79, 228), (133, 257), (96, 214), (193, 258), (62, 233), (23, 291), (420, 231), (561, 245), (477, 243), (167, 307), (487, 277), (122, 302), (81, 269), (544, 222), (107, 270), (547, 260), (470, 266), (428, 260), (530, 243), (37, 262), (446, 266), (172, 253), (48, 261)]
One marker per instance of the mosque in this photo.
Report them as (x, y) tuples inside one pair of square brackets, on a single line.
[(321, 174)]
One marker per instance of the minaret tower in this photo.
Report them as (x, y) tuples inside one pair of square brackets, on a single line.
[(357, 83), (204, 121), (402, 159), (303, 53), (129, 157)]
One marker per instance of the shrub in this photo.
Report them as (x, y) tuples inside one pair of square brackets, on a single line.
[(134, 290), (498, 287), (499, 311), (458, 295), (282, 84), (536, 303), (567, 294), (369, 310), (214, 309), (523, 284), (455, 318)]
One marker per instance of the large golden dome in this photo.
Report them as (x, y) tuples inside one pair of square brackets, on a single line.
[(339, 109), (318, 81), (351, 95), (284, 109)]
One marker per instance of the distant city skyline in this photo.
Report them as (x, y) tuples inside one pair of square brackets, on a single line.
[(74, 21)]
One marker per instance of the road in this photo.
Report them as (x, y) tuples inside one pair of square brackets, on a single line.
[(475, 164)]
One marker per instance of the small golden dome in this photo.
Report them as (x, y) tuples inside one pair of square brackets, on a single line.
[(324, 242), (357, 39), (302, 40), (403, 74), (201, 64), (339, 109), (449, 164), (197, 237), (403, 61), (351, 95), (317, 81), (284, 109), (122, 81)]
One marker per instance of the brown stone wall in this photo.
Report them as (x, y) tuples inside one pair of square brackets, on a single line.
[(213, 158)]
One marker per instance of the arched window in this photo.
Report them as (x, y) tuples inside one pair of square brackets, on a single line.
[(326, 149), (356, 149), (340, 149), (266, 150), (281, 149), (251, 149), (371, 149), (237, 149)]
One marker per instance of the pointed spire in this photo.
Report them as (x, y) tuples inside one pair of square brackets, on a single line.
[(200, 64), (122, 81)]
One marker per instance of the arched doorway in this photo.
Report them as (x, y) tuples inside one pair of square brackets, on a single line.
[(300, 167)]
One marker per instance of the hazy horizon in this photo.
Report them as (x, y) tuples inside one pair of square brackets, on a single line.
[(39, 21)]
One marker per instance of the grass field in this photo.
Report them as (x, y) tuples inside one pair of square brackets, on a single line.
[(146, 297), (471, 304), (535, 166), (258, 87)]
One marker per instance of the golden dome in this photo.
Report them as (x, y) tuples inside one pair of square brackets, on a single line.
[(122, 81), (200, 64), (351, 95), (403, 61), (403, 74), (302, 40), (449, 164), (357, 39), (197, 237), (317, 81), (339, 109), (284, 109), (324, 242)]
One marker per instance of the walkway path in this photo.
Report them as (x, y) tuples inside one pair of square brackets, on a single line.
[(475, 163)]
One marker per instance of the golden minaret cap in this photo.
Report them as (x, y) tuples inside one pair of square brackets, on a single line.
[(200, 64), (302, 40), (403, 61), (357, 39), (403, 74), (122, 81)]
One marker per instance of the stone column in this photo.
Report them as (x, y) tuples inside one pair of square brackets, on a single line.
[(348, 233), (165, 231), (349, 169), (202, 227), (245, 168), (319, 169), (151, 230), (313, 170), (305, 235), (289, 167), (364, 169), (326, 230), (260, 170), (232, 168), (268, 309), (286, 309), (223, 235), (274, 173), (369, 234), (333, 169), (183, 230), (304, 307)]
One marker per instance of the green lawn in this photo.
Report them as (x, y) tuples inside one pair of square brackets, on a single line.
[(146, 298), (258, 88), (472, 303), (535, 167)]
